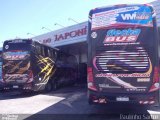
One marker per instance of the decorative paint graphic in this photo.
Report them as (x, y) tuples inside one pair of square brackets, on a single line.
[(19, 55), (125, 35), (18, 67), (47, 69), (117, 64), (135, 15), (17, 70), (19, 78)]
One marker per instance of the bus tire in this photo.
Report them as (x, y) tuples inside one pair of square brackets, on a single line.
[(54, 86), (90, 101), (48, 87)]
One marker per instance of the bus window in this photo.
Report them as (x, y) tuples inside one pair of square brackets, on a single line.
[(38, 49), (42, 50), (49, 52)]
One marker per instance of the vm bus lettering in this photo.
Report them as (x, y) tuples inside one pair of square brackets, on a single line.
[(136, 16)]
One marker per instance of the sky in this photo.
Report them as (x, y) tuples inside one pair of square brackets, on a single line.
[(19, 17)]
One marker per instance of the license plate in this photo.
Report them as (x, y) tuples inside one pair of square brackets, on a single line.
[(122, 99), (15, 86)]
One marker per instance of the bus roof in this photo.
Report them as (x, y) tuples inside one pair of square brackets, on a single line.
[(120, 5), (16, 40)]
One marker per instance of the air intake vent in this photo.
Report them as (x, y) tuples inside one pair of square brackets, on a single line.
[(131, 59)]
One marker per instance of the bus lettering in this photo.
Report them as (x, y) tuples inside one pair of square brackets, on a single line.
[(71, 34), (125, 32), (126, 35), (128, 16), (121, 39), (136, 16)]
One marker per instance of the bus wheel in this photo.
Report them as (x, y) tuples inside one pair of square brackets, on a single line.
[(54, 86), (48, 87), (90, 101)]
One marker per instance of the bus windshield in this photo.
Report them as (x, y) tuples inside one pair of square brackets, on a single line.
[(16, 50), (18, 55)]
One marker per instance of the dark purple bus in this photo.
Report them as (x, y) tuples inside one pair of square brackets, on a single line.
[(123, 58)]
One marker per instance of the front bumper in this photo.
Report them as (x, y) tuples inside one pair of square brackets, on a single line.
[(19, 87), (133, 98)]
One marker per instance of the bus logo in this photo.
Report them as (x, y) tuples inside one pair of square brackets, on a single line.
[(7, 46), (125, 35), (136, 16)]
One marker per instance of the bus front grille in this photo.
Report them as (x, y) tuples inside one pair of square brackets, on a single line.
[(131, 60)]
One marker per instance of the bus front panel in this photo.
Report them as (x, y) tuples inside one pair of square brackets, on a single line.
[(16, 63)]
